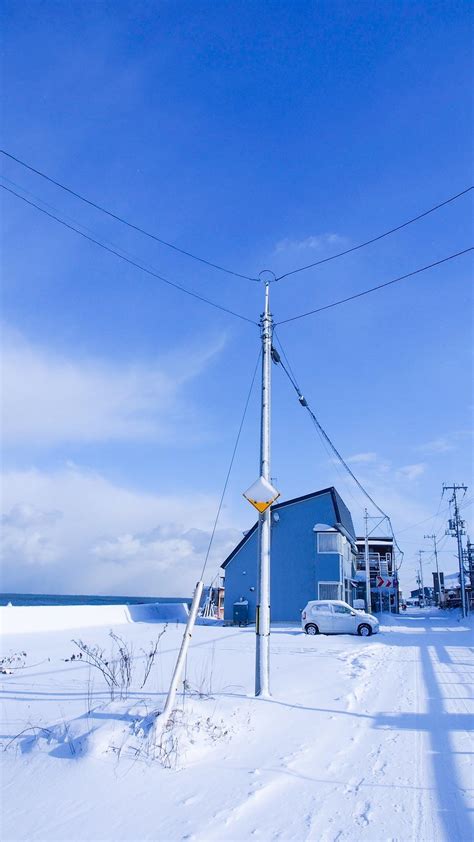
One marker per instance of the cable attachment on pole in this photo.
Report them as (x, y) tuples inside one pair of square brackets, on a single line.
[(275, 355)]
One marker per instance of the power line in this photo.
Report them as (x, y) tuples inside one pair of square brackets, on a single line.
[(433, 517), (128, 259), (379, 286), (74, 222), (327, 449), (321, 430), (420, 522), (68, 218), (378, 237), (244, 413), (125, 221)]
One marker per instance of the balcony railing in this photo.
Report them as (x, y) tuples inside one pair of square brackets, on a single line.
[(381, 564)]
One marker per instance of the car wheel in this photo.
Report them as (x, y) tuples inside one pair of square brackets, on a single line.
[(364, 630), (311, 629)]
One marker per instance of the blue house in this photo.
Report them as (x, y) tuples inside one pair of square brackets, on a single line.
[(313, 556)]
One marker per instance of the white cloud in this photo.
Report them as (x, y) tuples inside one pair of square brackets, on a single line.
[(358, 458), (25, 515), (73, 531), (439, 445), (412, 472), (393, 489), (317, 242), (446, 443), (397, 495), (25, 535), (50, 398)]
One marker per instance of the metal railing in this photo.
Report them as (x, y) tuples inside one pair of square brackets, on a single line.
[(377, 563)]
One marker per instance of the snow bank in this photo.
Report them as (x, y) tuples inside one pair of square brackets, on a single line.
[(363, 738), (16, 619)]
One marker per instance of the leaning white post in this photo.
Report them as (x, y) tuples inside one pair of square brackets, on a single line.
[(178, 670)]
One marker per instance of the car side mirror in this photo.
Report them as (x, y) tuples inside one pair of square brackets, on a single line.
[(353, 613)]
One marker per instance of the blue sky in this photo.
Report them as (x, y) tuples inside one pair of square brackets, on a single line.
[(258, 136)]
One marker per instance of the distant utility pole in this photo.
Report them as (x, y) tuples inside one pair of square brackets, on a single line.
[(422, 593), (435, 547), (457, 527), (470, 562), (368, 597)]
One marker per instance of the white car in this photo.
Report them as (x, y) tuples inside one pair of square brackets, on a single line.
[(332, 616)]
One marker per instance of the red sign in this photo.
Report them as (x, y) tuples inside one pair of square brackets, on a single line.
[(383, 583)]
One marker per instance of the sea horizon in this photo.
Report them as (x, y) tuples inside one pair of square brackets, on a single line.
[(25, 599)]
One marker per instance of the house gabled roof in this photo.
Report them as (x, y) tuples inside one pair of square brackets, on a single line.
[(241, 544), (337, 510)]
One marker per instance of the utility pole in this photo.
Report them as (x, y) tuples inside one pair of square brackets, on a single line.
[(421, 580), (261, 495), (262, 627), (470, 563), (368, 597), (457, 528), (435, 547)]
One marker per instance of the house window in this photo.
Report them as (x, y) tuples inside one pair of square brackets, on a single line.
[(348, 591), (328, 542), (328, 590)]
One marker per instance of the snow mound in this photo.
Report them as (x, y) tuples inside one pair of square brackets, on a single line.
[(19, 619), (169, 612), (114, 730)]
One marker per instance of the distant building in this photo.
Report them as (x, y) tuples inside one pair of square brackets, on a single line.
[(452, 589), (313, 557), (427, 593), (212, 602), (384, 586)]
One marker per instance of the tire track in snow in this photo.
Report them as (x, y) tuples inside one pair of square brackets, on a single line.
[(417, 791), (379, 783)]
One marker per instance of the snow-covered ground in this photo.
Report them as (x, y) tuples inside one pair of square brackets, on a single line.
[(363, 739)]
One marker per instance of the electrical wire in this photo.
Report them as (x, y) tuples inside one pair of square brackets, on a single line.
[(374, 289), (68, 218), (327, 449), (189, 254), (420, 522), (322, 431), (127, 259), (79, 225), (234, 451), (378, 237), (123, 220), (440, 511)]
